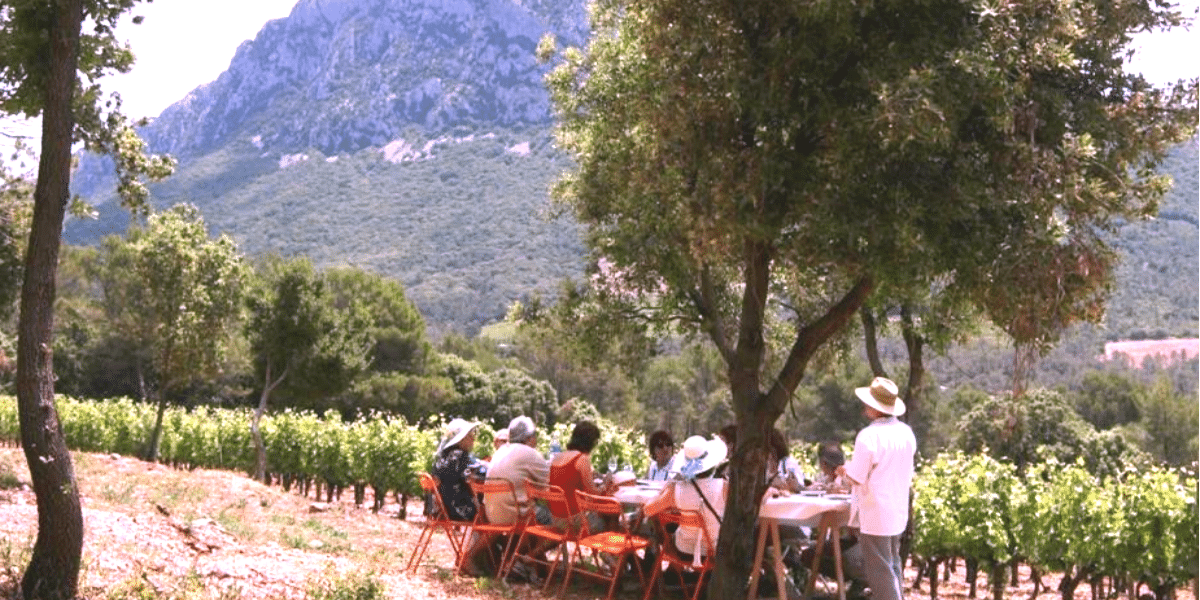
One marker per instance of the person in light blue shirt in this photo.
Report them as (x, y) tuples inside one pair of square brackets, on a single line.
[(662, 453), (783, 470)]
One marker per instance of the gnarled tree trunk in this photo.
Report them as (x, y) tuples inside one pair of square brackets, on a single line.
[(53, 572), (757, 412)]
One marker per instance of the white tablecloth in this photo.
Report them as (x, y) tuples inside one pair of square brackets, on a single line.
[(804, 510), (638, 494), (795, 509)]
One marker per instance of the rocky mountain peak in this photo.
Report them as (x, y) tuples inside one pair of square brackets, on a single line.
[(342, 75)]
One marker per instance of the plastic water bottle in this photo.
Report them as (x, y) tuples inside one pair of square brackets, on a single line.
[(555, 448)]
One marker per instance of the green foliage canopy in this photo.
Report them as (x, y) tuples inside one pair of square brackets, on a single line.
[(733, 154), (176, 292), (299, 339)]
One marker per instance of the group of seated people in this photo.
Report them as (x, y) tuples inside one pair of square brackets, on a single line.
[(695, 477)]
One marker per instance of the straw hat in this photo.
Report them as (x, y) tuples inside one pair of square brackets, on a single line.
[(700, 455), (883, 396), (455, 431)]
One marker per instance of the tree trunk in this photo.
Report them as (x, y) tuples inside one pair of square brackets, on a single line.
[(260, 449), (756, 412), (155, 434), (933, 581), (915, 388), (1070, 581), (53, 572), (871, 343), (913, 394), (141, 376), (972, 577), (998, 581), (402, 500)]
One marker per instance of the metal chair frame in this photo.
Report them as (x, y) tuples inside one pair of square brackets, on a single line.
[(484, 526), (549, 494), (438, 519), (671, 556), (621, 543)]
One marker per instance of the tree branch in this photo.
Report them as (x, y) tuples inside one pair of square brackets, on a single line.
[(703, 299), (811, 337), (870, 340)]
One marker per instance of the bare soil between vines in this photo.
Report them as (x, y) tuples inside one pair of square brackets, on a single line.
[(201, 534)]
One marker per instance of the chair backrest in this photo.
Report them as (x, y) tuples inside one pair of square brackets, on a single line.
[(480, 489), (604, 505), (551, 494), (430, 485), (685, 518)]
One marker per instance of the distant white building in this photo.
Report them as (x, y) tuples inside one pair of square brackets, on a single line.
[(1166, 351)]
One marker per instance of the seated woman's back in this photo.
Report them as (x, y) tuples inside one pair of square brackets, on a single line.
[(688, 497), (571, 471)]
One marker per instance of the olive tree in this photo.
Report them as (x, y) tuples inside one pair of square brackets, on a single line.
[(304, 347), (177, 295), (743, 163)]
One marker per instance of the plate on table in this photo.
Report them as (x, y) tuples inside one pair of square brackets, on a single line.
[(812, 493), (838, 496)]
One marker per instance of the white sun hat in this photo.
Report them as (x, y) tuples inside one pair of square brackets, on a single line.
[(700, 455)]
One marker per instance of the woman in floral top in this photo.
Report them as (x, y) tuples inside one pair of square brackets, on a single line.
[(453, 464)]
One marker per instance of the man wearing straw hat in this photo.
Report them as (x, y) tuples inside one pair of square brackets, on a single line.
[(881, 472)]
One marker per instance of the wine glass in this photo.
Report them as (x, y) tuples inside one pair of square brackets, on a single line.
[(612, 465)]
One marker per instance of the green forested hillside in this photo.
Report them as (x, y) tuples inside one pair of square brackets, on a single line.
[(1158, 282), (466, 229)]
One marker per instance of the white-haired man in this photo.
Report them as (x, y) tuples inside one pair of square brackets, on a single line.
[(516, 461)]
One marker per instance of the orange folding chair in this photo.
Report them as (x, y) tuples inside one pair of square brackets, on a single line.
[(486, 528), (550, 494), (676, 561), (437, 519), (621, 543)]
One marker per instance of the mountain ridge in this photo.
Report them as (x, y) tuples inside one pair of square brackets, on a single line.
[(414, 138)]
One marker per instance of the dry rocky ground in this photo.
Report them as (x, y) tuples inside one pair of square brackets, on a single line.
[(157, 532)]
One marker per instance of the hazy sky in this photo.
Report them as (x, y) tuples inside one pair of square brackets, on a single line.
[(183, 44)]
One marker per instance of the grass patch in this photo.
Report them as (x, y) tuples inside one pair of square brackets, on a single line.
[(14, 558), (190, 587), (119, 493), (283, 520), (354, 586), (324, 530), (496, 587), (233, 520), (8, 476), (177, 494), (314, 535), (9, 481)]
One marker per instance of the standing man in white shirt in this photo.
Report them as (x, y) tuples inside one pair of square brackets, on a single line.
[(881, 473)]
